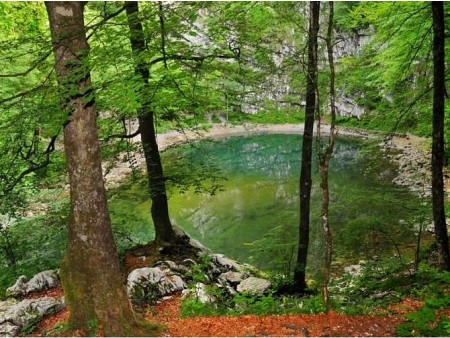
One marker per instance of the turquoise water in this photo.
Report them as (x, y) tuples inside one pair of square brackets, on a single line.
[(254, 215)]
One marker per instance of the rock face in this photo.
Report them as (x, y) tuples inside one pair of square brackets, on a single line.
[(42, 281), (16, 315), (348, 107), (350, 44)]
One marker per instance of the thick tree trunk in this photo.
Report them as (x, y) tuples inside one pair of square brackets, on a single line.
[(90, 272), (305, 173), (164, 232), (437, 159)]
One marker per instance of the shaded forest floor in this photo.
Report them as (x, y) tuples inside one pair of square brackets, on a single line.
[(167, 313)]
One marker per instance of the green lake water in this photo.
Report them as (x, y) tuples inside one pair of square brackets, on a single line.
[(254, 216)]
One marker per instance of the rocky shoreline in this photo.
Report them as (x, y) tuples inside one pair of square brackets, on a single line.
[(410, 153)]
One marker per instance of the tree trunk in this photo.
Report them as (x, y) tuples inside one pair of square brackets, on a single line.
[(324, 162), (164, 232), (437, 159), (305, 173), (90, 272)]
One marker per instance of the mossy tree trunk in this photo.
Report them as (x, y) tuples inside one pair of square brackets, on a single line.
[(437, 160), (164, 233), (90, 272), (305, 172)]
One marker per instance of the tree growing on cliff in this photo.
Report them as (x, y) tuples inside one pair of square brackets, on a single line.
[(305, 173), (90, 271)]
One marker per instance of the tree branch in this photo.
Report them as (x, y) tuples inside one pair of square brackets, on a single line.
[(123, 136), (197, 58), (105, 19)]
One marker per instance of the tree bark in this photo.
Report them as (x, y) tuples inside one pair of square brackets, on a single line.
[(305, 173), (90, 272), (437, 159), (164, 233), (324, 159)]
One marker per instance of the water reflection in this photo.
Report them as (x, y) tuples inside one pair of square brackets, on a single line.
[(261, 194)]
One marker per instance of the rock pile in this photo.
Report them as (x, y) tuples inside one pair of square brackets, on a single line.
[(194, 277), (150, 284), (17, 314)]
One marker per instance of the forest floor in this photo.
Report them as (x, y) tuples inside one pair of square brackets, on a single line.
[(167, 313)]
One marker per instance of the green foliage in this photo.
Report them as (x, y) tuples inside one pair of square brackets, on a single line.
[(246, 304), (192, 307), (385, 282), (198, 273), (36, 244), (277, 117), (186, 171), (278, 243), (433, 287), (31, 325), (345, 17), (93, 327), (129, 209), (426, 322), (391, 76)]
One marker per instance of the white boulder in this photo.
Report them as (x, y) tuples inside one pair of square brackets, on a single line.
[(254, 285), (40, 282), (150, 284)]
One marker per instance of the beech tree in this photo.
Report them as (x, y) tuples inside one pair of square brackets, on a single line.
[(90, 272), (164, 233), (305, 172), (437, 157)]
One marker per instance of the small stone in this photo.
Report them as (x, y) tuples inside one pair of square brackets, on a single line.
[(225, 264), (232, 277)]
